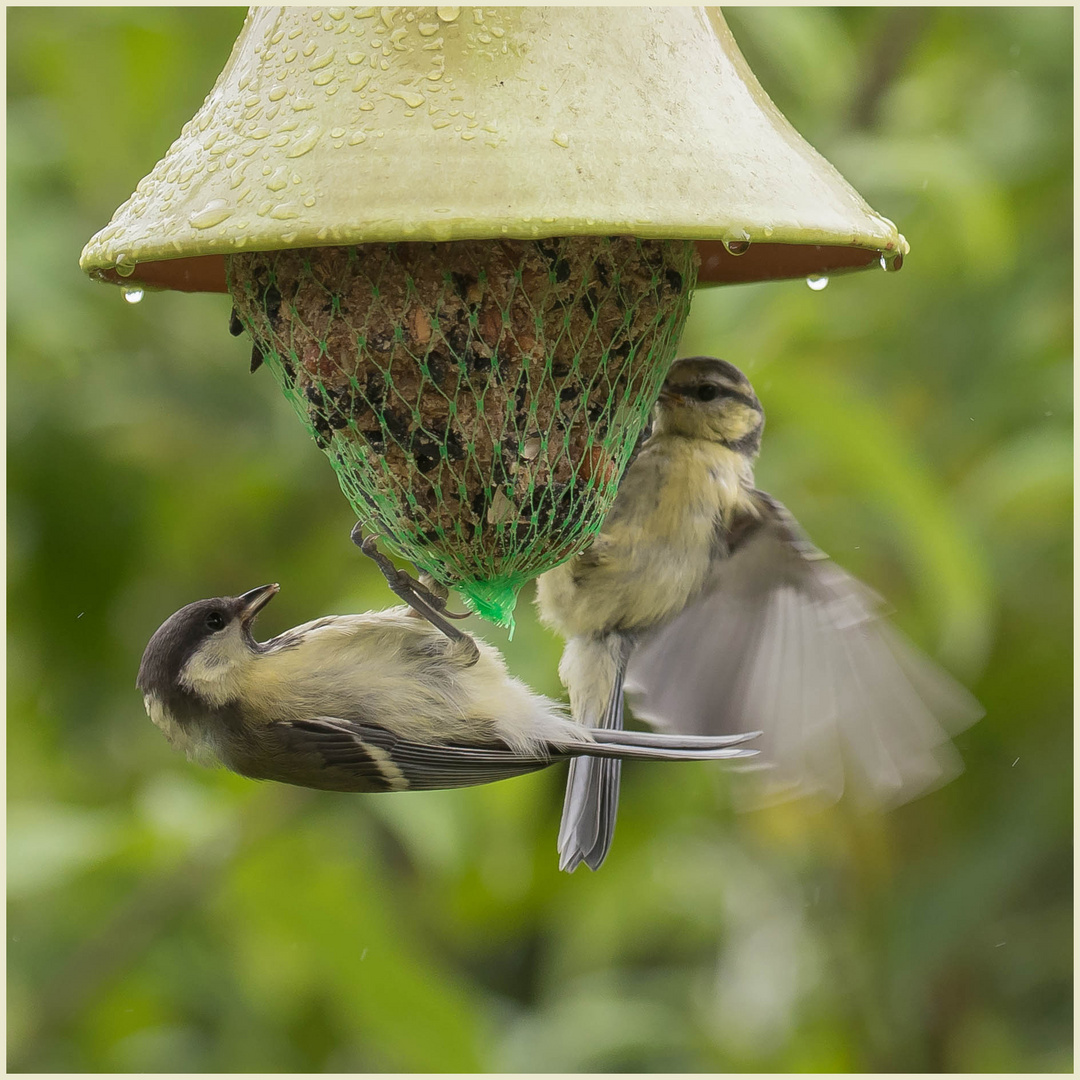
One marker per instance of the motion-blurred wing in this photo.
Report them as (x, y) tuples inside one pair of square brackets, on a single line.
[(784, 640)]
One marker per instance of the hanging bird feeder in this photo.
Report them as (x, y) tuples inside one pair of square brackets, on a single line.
[(464, 241)]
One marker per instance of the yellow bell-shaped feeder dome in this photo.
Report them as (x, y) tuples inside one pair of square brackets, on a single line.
[(341, 126)]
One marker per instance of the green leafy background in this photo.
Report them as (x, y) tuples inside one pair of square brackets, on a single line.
[(166, 918)]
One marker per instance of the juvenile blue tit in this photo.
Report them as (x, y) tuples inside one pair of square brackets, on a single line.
[(384, 701), (703, 598)]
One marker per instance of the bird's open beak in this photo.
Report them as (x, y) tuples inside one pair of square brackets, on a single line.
[(253, 602)]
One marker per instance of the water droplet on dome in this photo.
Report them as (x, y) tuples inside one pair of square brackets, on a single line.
[(305, 142), (279, 181), (213, 213), (124, 265), (410, 97)]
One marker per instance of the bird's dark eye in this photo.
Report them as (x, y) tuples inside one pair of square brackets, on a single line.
[(215, 620), (708, 392)]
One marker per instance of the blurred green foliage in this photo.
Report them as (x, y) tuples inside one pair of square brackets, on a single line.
[(165, 918)]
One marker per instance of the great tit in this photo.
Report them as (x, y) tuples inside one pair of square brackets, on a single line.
[(384, 701)]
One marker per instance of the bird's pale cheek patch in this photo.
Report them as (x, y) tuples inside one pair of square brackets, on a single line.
[(214, 671), (738, 420)]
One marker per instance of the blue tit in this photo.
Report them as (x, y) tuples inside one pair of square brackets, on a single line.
[(704, 600)]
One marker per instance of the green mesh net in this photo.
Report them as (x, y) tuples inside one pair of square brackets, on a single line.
[(479, 400)]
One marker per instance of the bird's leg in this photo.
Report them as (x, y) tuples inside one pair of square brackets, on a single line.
[(432, 592), (420, 598), (439, 594)]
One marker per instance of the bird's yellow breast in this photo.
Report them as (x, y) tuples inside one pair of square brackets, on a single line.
[(654, 551)]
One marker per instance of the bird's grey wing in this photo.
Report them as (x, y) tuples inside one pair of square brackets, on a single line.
[(592, 793), (333, 754), (783, 640)]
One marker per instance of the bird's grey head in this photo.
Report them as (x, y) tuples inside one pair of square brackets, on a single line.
[(202, 651), (706, 398)]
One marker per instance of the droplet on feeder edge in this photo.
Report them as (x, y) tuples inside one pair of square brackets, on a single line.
[(132, 294), (817, 282)]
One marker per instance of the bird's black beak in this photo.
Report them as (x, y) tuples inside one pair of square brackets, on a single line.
[(251, 603)]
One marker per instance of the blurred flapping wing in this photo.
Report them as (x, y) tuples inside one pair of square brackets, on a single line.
[(783, 640)]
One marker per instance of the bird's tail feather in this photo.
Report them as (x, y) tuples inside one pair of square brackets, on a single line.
[(592, 791), (589, 809), (623, 751), (592, 788), (670, 740)]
